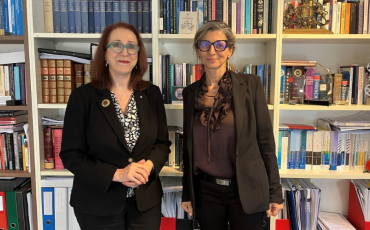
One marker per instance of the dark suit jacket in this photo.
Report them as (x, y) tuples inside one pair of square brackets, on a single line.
[(94, 147), (256, 164)]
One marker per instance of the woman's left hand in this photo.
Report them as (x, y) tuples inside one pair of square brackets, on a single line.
[(274, 209), (148, 165)]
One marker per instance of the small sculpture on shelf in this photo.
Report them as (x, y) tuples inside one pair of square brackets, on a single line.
[(305, 15)]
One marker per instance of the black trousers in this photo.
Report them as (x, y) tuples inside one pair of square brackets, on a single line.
[(218, 206), (130, 219)]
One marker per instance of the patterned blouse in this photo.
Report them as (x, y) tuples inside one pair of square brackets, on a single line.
[(130, 124)]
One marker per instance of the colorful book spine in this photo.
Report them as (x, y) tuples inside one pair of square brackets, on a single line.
[(316, 86), (247, 17), (282, 83), (12, 23), (57, 140), (334, 151), (308, 95), (302, 156), (18, 17)]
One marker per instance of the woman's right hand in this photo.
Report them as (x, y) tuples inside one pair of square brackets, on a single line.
[(132, 175), (187, 207)]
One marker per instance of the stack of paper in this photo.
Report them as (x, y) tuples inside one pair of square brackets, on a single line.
[(333, 221), (171, 200), (358, 121), (52, 120)]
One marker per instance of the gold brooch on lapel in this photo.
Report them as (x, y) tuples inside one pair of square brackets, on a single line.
[(105, 103)]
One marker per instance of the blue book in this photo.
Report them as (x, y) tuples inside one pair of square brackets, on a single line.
[(150, 3), (132, 12), (56, 16), (17, 83), (302, 156), (316, 87), (102, 15), (48, 214), (12, 15), (178, 7), (78, 19), (282, 83), (85, 16), (22, 82), (97, 16), (18, 17), (124, 11), (71, 16), (6, 17), (247, 23), (219, 6), (108, 12), (146, 16), (116, 12), (194, 6), (260, 71), (182, 5), (279, 149), (64, 16), (90, 7), (140, 16)]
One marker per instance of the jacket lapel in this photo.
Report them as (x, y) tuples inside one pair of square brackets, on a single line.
[(190, 108), (142, 105), (109, 111), (240, 97)]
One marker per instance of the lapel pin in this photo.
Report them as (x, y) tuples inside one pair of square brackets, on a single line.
[(105, 103)]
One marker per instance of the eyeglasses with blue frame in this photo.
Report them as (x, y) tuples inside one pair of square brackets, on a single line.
[(117, 47)]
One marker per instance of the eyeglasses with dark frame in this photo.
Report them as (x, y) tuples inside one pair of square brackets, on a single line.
[(219, 45), (117, 47)]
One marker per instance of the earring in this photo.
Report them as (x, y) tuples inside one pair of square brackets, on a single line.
[(228, 64), (106, 63)]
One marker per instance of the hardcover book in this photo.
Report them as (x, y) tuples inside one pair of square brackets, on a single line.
[(188, 22)]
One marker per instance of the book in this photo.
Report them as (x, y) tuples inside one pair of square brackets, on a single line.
[(188, 22), (57, 142)]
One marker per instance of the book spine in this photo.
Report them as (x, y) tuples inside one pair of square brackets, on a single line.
[(57, 140), (260, 9), (168, 7), (108, 12), (48, 16), (124, 11), (85, 17), (48, 148), (22, 82), (116, 12), (52, 81), (18, 17), (282, 83), (102, 15), (200, 12), (12, 17), (20, 155), (10, 150), (4, 151), (17, 83), (69, 79), (133, 13), (218, 11), (309, 87), (64, 23), (71, 16), (140, 15), (78, 19), (146, 17), (247, 17), (60, 81), (78, 75), (2, 31), (15, 150), (6, 17), (316, 86), (91, 20), (56, 16)]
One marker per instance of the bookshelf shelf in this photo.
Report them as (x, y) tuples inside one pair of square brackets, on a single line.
[(323, 174), (73, 37), (52, 106), (241, 38), (14, 173), (325, 108), (325, 38), (14, 108), (172, 106), (11, 39), (166, 171)]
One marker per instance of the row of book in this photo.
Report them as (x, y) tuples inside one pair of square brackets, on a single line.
[(243, 17), (60, 77), (11, 17), (302, 148), (175, 158), (92, 16), (13, 78), (300, 84), (14, 153), (16, 203), (264, 72)]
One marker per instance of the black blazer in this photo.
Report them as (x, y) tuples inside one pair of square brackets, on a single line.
[(256, 164), (94, 147)]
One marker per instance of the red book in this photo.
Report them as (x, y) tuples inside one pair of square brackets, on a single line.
[(57, 142), (3, 215), (48, 148), (296, 126)]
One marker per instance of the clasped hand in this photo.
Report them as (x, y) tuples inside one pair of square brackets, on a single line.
[(134, 174)]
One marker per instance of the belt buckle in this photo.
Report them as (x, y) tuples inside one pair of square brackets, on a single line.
[(223, 182)]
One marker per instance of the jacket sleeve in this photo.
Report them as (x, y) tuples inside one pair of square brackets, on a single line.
[(74, 152), (266, 143), (160, 150), (186, 170)]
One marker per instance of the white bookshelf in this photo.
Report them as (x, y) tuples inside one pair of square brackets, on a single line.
[(329, 50)]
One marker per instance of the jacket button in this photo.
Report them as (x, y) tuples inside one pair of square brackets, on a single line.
[(130, 160)]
